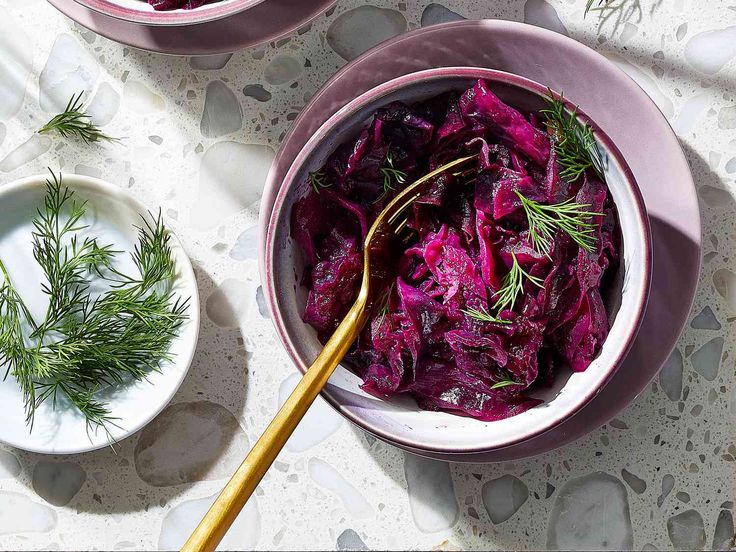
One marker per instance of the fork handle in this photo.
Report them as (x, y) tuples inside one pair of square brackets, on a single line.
[(238, 490)]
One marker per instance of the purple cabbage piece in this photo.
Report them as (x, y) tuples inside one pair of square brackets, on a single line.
[(162, 5), (482, 105), (422, 338)]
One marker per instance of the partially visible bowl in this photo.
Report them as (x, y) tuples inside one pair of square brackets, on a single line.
[(399, 420), (140, 11)]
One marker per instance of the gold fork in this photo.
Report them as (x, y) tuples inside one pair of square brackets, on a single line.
[(391, 222)]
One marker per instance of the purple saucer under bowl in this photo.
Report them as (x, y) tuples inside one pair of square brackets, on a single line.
[(399, 420), (624, 112)]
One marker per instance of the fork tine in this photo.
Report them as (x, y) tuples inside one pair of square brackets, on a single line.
[(401, 226)]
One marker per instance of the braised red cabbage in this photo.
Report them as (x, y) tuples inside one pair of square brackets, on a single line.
[(425, 337), (163, 5)]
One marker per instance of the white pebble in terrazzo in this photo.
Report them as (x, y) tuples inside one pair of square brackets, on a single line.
[(691, 113), (58, 482), (9, 465), (628, 32), (502, 497), (715, 197), (686, 530), (35, 146), (318, 424), (361, 28), (181, 520), (727, 118), (16, 60), (730, 166), (222, 113), (187, 442), (86, 170), (707, 359), (668, 483), (724, 282), (431, 493), (637, 484), (542, 14), (723, 535), (209, 63), (230, 303), (141, 99), (20, 514), (231, 179), (104, 105), (282, 70), (670, 377), (708, 52), (246, 245), (437, 13), (70, 69), (591, 513), (350, 540), (328, 477), (706, 320), (257, 92)]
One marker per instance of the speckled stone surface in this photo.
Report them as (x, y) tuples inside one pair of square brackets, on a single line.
[(199, 135)]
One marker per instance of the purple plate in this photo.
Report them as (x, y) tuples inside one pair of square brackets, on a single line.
[(620, 108), (262, 23)]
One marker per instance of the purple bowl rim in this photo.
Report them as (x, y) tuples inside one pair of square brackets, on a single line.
[(395, 84), (176, 17)]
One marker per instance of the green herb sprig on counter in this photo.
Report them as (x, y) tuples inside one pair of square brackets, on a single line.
[(73, 121), (589, 5), (573, 140), (88, 341)]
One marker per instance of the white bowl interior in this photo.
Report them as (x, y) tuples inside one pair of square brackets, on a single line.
[(144, 7), (112, 215), (399, 419)]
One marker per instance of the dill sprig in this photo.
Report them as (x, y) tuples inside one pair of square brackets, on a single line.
[(505, 383), (73, 121), (512, 285), (589, 5), (391, 175), (575, 219), (88, 342), (483, 315), (318, 179), (574, 142), (383, 304)]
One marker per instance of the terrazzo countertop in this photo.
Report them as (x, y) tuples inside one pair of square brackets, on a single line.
[(200, 134)]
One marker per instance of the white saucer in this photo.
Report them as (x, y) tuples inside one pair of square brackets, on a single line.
[(112, 215)]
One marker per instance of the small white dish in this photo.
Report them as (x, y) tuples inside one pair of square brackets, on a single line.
[(112, 215)]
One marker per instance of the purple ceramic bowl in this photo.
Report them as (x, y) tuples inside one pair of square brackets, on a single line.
[(139, 11), (399, 420)]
